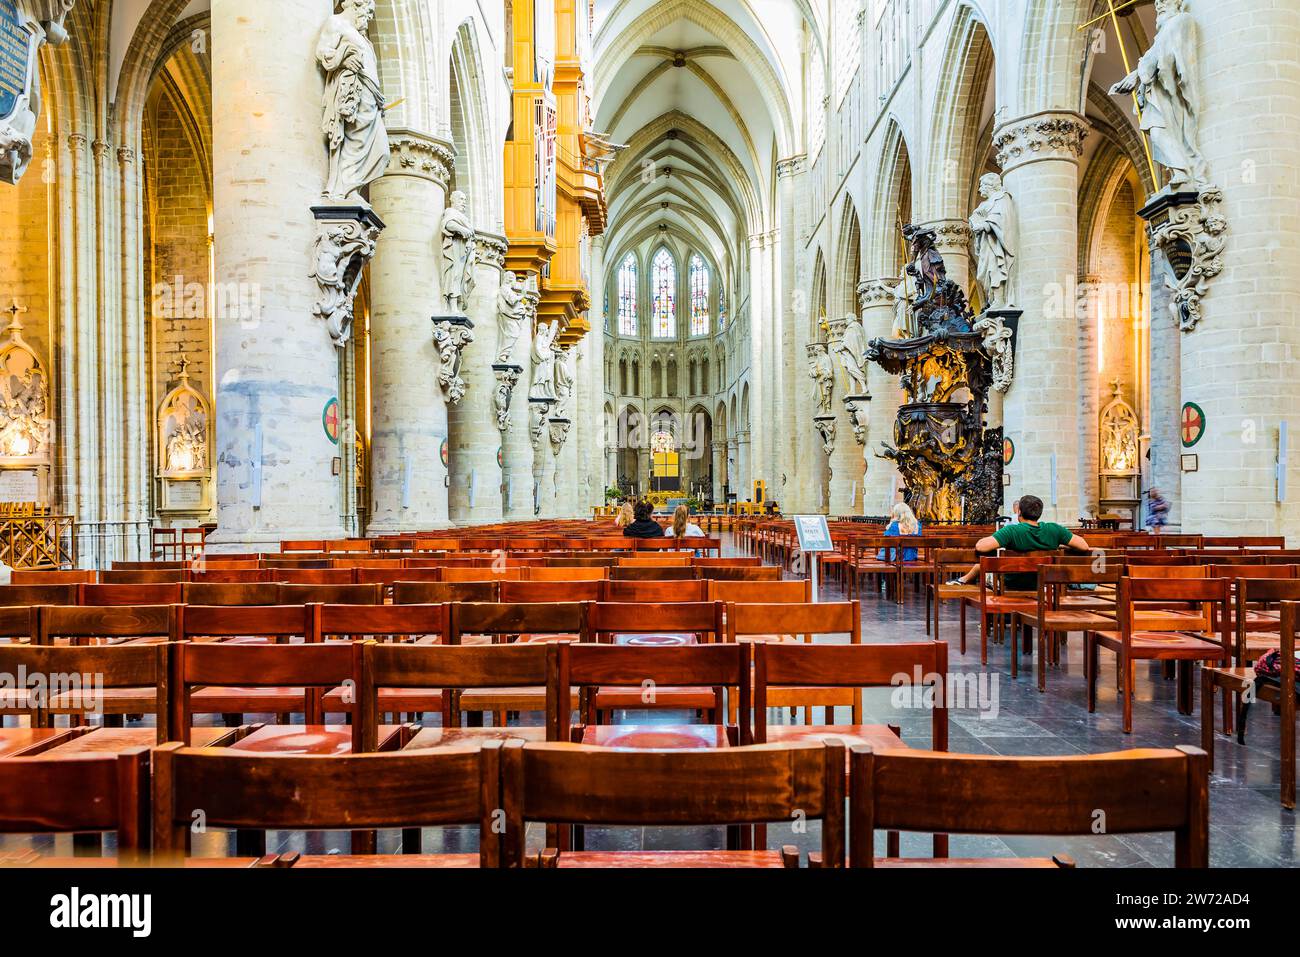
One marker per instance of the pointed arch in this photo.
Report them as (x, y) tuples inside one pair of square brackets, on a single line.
[(848, 264), (663, 294)]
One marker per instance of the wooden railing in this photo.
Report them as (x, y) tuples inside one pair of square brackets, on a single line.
[(38, 541)]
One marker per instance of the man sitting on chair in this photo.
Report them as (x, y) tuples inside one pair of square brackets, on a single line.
[(1026, 535)]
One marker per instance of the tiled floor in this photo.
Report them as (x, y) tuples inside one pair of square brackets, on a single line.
[(1249, 826)]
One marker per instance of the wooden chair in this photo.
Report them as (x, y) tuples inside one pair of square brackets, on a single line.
[(656, 592), (78, 794), (123, 679), (552, 591), (766, 573), (25, 577), (233, 576), (434, 593), (155, 594), (1154, 639), (652, 574), (358, 792), (749, 561), (573, 784), (142, 576), (1139, 791), (794, 591), (655, 561), (107, 624), (258, 624), (1241, 681), (450, 671), (13, 596), (609, 677), (330, 594), (864, 561), (946, 564), (230, 593), (552, 573), (485, 574), (313, 576), (997, 604), (1053, 617)]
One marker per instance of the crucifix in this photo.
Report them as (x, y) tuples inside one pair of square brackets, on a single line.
[(14, 311)]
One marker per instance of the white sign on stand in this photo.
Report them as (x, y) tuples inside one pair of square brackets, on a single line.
[(814, 538)]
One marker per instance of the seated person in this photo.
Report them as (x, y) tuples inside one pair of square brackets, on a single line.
[(904, 522), (645, 526), (683, 527), (1027, 535)]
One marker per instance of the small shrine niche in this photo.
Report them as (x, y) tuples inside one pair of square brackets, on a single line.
[(184, 443), (1120, 465), (26, 431)]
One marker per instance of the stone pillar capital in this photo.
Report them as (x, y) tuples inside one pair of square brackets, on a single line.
[(1051, 135), (791, 166), (491, 249), (953, 235), (876, 292), (421, 155)]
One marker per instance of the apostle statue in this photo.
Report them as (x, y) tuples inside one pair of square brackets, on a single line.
[(458, 254), (851, 350), (563, 379), (1165, 83), (543, 384), (996, 237), (512, 309), (822, 374), (927, 266), (353, 123), (902, 307)]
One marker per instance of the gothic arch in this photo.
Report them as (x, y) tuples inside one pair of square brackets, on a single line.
[(968, 67)]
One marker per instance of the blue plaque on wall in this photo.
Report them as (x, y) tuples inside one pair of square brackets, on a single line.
[(17, 47)]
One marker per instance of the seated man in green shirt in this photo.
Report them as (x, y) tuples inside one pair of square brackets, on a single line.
[(1026, 535)]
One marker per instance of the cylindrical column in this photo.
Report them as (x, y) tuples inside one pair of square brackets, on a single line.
[(474, 496), (517, 453), (846, 458), (408, 411), (1165, 470), (953, 243), (1236, 362), (277, 368), (1039, 156), (881, 482)]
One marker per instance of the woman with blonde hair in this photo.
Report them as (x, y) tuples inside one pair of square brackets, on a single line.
[(625, 516), (903, 522), (682, 526)]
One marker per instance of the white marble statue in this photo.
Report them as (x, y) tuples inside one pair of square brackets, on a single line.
[(902, 308), (1166, 84), (851, 350), (355, 137), (458, 254), (995, 234), (512, 310), (564, 376), (822, 373), (543, 382)]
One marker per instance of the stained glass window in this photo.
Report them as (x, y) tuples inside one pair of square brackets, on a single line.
[(627, 296), (663, 273), (722, 309), (699, 297)]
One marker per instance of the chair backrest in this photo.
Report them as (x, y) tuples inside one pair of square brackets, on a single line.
[(921, 666), (313, 576), (555, 591), (426, 788), (155, 594), (656, 591), (79, 793), (76, 577), (1235, 571), (331, 594), (221, 664), (575, 784), (587, 665), (795, 591), (1138, 569), (571, 573), (351, 622), (654, 561), (230, 593), (1213, 594), (743, 561), (18, 622), (448, 667), (500, 620), (275, 622), (767, 573), (1137, 791), (433, 593), (74, 675), (639, 618), (484, 574), (387, 576), (822, 618), (12, 596), (142, 576), (652, 573), (232, 576), (82, 625)]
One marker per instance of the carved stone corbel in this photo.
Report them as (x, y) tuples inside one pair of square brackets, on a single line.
[(507, 379), (859, 416), (451, 334), (537, 409), (559, 433), (345, 242), (825, 426), (1188, 227)]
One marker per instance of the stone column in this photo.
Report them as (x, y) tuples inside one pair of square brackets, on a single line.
[(846, 460), (543, 463), (881, 483), (744, 466), (474, 496), (794, 311), (954, 245), (757, 427), (564, 426), (408, 411), (1238, 361), (517, 441), (1089, 326), (1039, 156), (1164, 470), (277, 367)]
